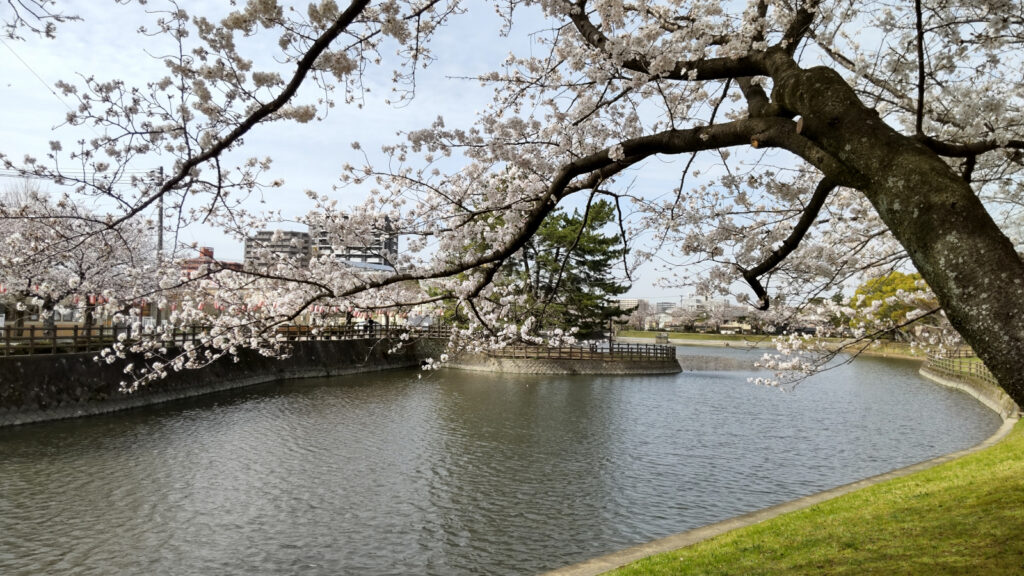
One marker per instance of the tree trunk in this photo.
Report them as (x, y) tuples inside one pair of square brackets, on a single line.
[(88, 319), (19, 322), (46, 312), (968, 262)]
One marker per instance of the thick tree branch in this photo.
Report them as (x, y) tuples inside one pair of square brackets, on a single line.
[(800, 26), (758, 103), (810, 213), (969, 163), (703, 69), (600, 166), (969, 149)]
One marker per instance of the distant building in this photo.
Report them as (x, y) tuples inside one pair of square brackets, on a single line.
[(376, 251), (627, 303), (702, 303), (268, 246), (205, 261), (664, 307)]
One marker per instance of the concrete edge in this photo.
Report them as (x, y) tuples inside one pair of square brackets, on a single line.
[(609, 562), (570, 370), (611, 366), (130, 402)]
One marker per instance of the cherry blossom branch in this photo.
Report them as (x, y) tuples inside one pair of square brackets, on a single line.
[(800, 26), (824, 363), (302, 70), (810, 213), (27, 13), (703, 69)]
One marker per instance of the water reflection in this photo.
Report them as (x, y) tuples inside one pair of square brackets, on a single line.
[(457, 473)]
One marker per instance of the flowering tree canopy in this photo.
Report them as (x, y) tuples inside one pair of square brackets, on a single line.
[(56, 255), (817, 140)]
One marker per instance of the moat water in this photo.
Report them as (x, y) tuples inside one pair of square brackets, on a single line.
[(452, 473)]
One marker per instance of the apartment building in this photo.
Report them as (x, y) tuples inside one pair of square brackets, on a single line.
[(376, 251), (268, 246)]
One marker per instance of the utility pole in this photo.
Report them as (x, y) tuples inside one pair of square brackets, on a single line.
[(160, 222), (159, 239)]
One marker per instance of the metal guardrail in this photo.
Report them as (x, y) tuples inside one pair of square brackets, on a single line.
[(30, 340), (592, 352), (962, 365)]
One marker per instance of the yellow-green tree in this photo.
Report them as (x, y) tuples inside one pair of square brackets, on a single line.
[(889, 301)]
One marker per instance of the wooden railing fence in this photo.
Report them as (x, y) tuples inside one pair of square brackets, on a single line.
[(961, 364), (589, 352), (65, 340)]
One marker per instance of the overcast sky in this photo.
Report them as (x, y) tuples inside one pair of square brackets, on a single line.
[(305, 156)]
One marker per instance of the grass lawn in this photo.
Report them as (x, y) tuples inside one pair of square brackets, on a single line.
[(962, 517), (880, 348)]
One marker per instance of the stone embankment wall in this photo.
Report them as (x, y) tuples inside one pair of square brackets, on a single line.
[(990, 395), (616, 366), (50, 387)]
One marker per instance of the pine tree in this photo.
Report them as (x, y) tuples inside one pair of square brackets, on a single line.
[(568, 268)]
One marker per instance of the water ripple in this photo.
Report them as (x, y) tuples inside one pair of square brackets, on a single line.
[(458, 473)]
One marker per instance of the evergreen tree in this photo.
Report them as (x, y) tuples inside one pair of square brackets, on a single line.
[(568, 269), (889, 302)]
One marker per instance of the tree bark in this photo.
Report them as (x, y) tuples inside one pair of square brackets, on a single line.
[(968, 262)]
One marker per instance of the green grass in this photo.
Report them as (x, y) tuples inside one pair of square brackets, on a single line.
[(962, 517), (880, 348)]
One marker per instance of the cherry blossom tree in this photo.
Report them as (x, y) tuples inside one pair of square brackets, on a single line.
[(38, 17), (815, 141), (57, 257)]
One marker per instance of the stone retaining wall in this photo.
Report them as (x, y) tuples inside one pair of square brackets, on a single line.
[(617, 366), (51, 387), (990, 395)]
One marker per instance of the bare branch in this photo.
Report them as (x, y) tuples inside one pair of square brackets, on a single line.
[(34, 16)]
